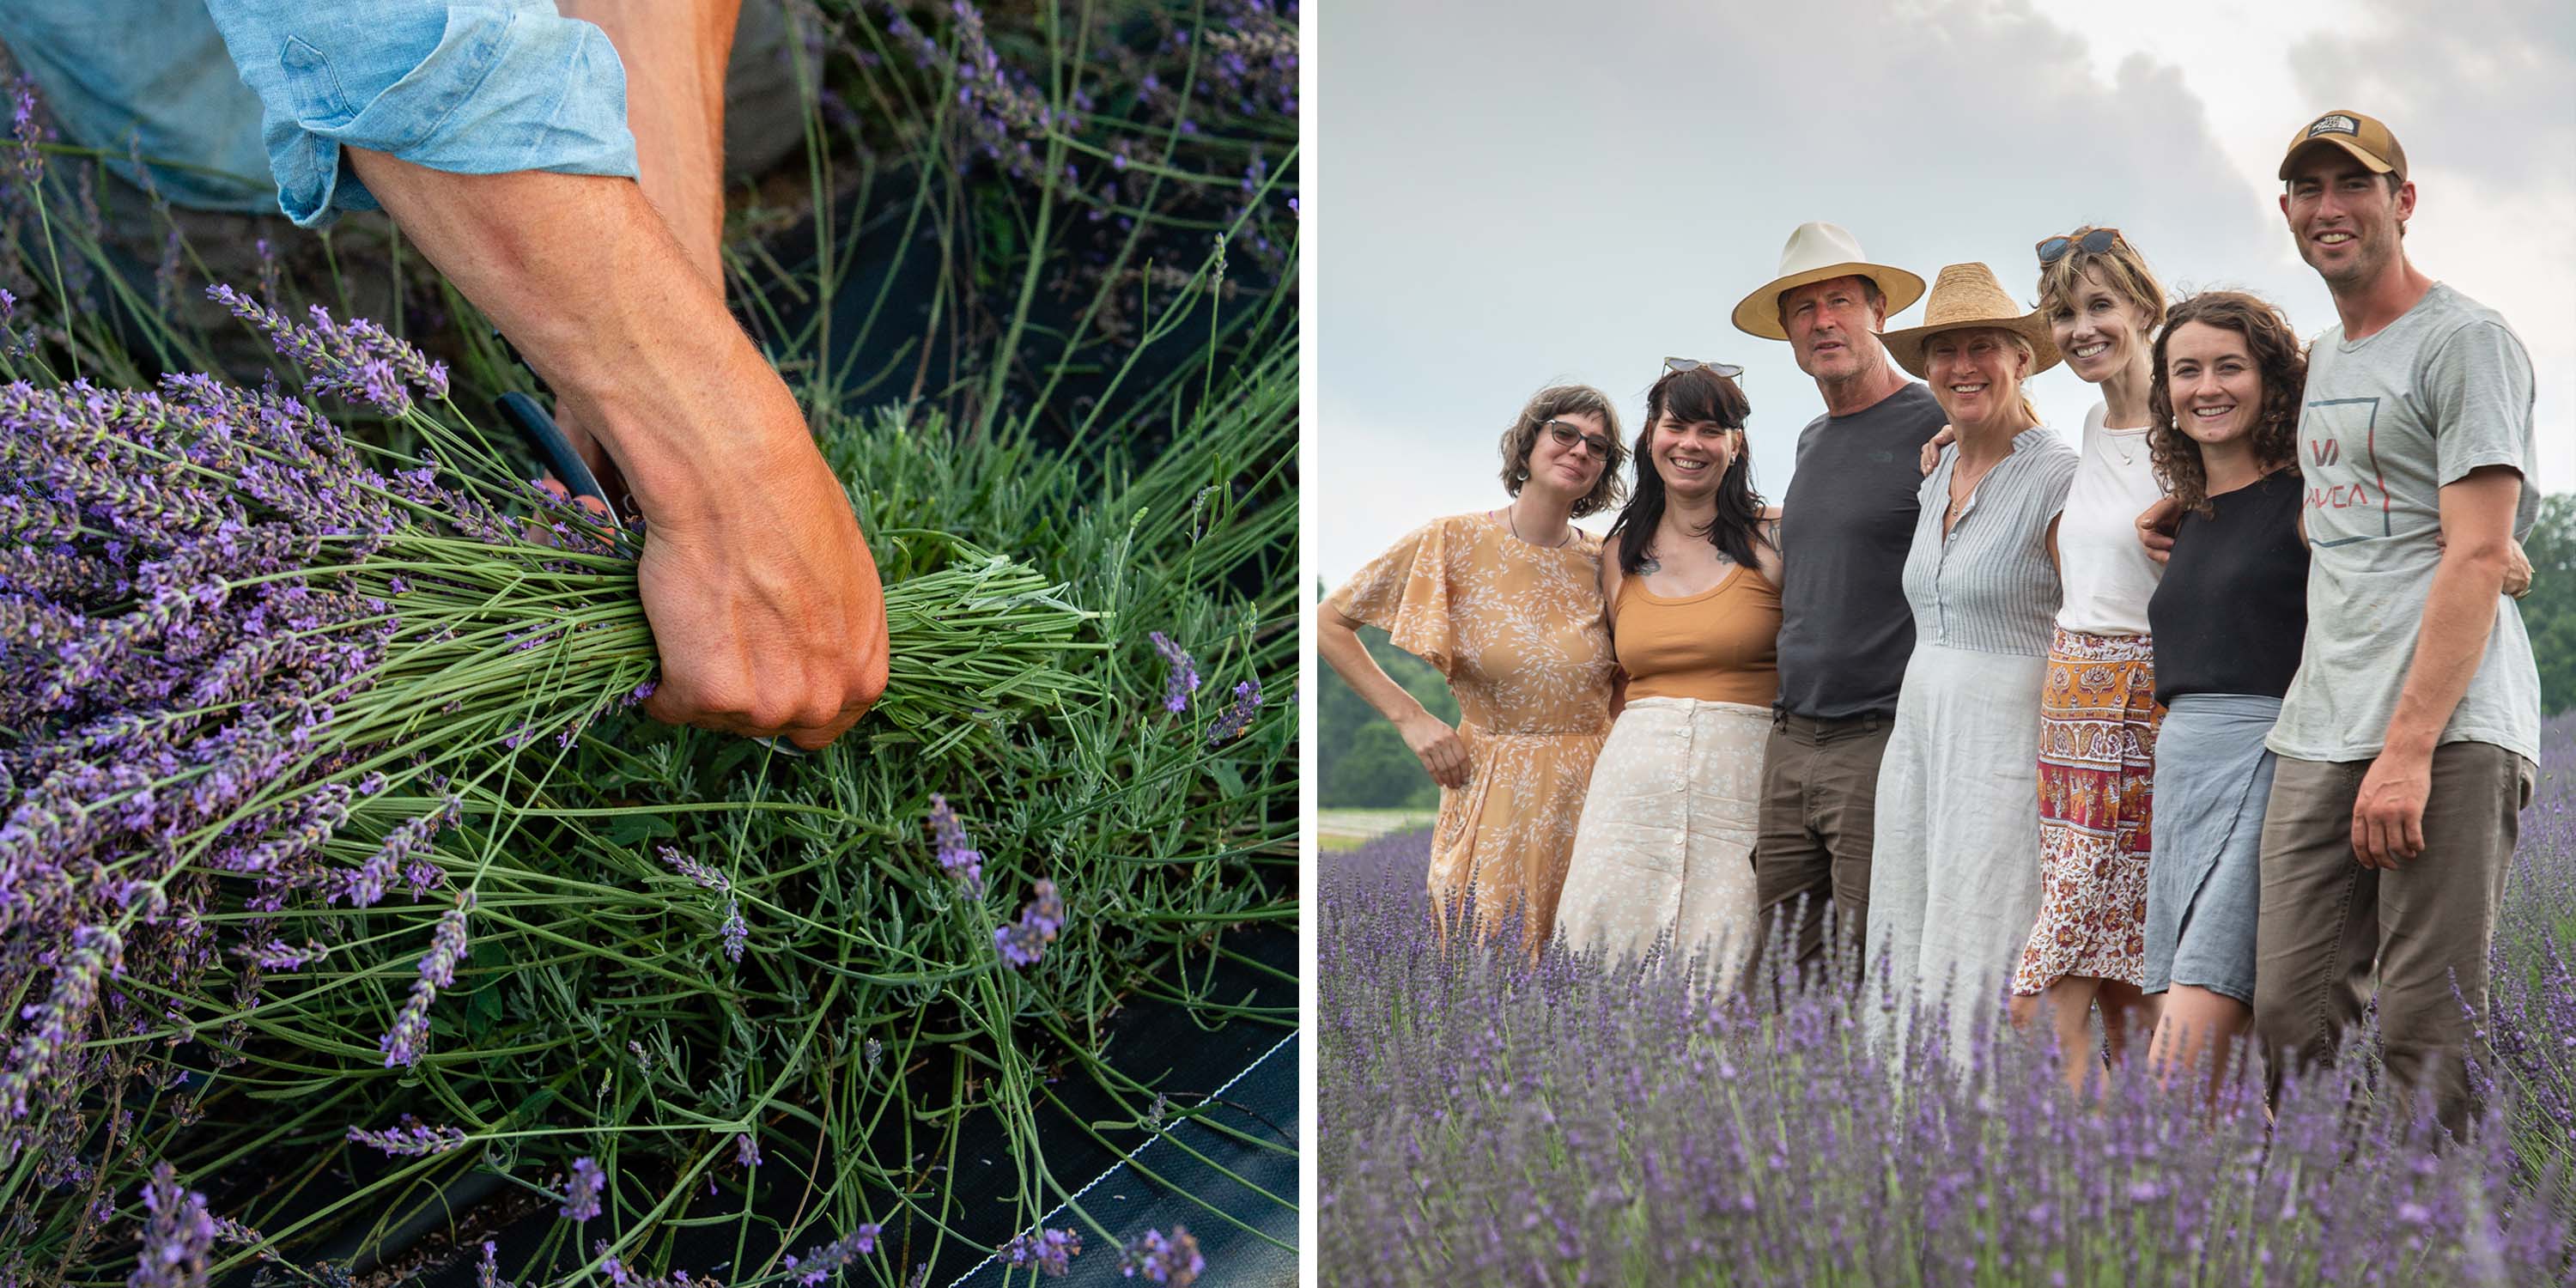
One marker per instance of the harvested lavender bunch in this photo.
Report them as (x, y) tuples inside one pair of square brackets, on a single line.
[(251, 670)]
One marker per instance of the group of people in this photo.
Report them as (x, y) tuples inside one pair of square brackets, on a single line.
[(2151, 722)]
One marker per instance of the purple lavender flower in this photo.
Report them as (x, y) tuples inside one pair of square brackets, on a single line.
[(1051, 1251), (359, 359), (26, 131), (955, 855), (611, 1266), (228, 1230), (487, 1272), (59, 1019), (1172, 1260), (411, 1139), (268, 269), (437, 971), (177, 1235), (277, 955), (1023, 942), (746, 1151), (1003, 108), (736, 931), (581, 1199), (819, 1264), (1235, 719), (1182, 679), (366, 886), (421, 876), (692, 869)]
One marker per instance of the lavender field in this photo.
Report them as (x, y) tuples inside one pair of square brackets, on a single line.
[(1491, 1121)]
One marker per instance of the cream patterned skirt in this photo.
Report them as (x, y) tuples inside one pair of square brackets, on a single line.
[(1665, 845)]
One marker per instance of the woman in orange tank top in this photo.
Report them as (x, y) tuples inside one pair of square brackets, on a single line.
[(1690, 576)]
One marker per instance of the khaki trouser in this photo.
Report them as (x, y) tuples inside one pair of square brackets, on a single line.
[(1819, 817), (2427, 925)]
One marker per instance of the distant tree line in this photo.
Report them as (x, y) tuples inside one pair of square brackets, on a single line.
[(1360, 760), (1364, 764), (2549, 611)]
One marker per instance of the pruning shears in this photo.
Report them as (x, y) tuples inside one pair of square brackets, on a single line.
[(541, 433)]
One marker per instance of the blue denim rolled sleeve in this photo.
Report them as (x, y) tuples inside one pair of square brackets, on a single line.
[(469, 89), (466, 88)]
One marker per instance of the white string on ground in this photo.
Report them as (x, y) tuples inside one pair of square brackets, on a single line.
[(1088, 1186)]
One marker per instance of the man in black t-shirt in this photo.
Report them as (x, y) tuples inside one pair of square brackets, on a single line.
[(1845, 632)]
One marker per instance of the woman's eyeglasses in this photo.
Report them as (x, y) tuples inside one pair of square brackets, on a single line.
[(1567, 437), (2095, 242)]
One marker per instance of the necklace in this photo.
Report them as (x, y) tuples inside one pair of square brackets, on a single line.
[(2125, 445), (1951, 517), (1512, 521)]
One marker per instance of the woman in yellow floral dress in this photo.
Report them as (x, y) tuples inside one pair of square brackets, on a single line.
[(1506, 603)]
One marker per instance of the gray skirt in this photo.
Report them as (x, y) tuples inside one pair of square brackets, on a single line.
[(2205, 875)]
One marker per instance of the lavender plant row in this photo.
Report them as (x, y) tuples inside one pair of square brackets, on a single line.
[(1487, 1119), (2527, 1056)]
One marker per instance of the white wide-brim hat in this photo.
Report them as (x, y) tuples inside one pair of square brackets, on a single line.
[(1965, 296), (1820, 252)]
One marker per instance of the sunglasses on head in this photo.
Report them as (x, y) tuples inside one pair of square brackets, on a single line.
[(2095, 242), (1676, 366), (1567, 436)]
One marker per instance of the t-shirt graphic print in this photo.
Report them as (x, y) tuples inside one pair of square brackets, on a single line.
[(2347, 480)]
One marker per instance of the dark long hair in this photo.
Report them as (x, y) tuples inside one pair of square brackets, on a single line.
[(1696, 396), (2278, 360)]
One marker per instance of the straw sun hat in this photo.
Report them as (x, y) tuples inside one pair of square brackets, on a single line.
[(1820, 252), (1967, 295)]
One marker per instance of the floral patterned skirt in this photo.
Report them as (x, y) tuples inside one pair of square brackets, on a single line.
[(2097, 748), (1500, 845)]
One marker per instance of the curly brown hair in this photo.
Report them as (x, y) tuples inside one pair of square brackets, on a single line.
[(1546, 405), (2280, 362)]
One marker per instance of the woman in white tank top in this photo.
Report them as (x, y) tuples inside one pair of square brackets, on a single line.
[(2098, 713)]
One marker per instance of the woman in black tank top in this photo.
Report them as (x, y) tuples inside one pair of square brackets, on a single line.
[(2228, 621)]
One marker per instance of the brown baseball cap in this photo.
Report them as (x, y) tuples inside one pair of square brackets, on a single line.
[(2360, 135)]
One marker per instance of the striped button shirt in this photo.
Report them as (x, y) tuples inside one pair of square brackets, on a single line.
[(1990, 588)]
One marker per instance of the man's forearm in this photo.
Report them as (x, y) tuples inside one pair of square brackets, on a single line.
[(582, 275), (2459, 615), (675, 53)]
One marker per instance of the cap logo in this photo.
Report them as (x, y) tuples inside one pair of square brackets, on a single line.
[(2335, 124)]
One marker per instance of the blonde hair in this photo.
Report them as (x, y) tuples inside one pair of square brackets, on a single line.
[(2124, 270), (2021, 387)]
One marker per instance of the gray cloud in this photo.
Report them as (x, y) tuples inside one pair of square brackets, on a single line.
[(2481, 86)]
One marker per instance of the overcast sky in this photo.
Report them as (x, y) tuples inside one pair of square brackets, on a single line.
[(1510, 194)]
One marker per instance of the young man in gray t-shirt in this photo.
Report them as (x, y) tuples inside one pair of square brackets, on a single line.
[(2408, 738)]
